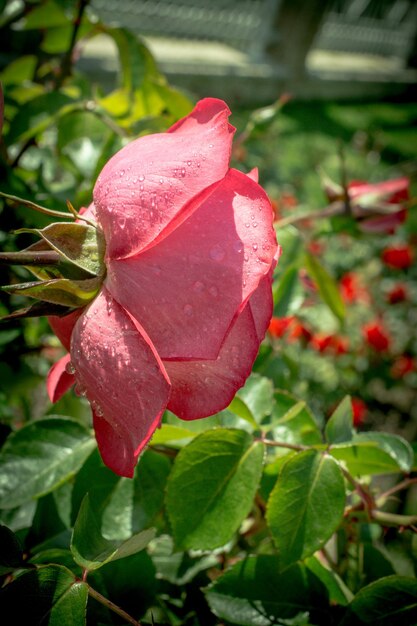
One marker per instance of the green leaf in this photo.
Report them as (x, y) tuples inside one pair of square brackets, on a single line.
[(254, 593), (79, 125), (178, 568), (135, 59), (337, 590), (48, 595), (388, 601), (19, 71), (150, 479), (374, 453), (258, 395), (396, 446), (39, 457), (284, 293), (131, 584), (47, 15), (339, 428), (326, 285), (91, 550), (169, 434), (238, 407), (36, 115), (306, 505), (292, 421), (215, 479), (11, 555)]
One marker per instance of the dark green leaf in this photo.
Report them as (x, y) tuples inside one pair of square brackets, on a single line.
[(326, 285), (36, 115), (11, 554), (374, 453), (292, 421), (387, 602), (19, 71), (254, 593), (339, 428), (48, 595), (258, 396), (284, 293), (41, 456), (91, 550), (151, 475), (215, 479), (306, 505), (338, 592)]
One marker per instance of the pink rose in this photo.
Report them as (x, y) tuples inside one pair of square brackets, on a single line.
[(186, 301)]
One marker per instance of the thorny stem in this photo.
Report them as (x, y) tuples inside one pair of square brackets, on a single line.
[(112, 607), (66, 64)]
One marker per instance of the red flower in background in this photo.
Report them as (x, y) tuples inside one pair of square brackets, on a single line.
[(403, 365), (330, 343), (397, 294), (186, 300), (352, 290), (359, 410), (399, 257), (278, 326), (376, 336)]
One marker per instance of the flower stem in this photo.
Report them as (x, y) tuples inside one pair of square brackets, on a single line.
[(66, 64), (112, 607), (33, 205), (281, 444)]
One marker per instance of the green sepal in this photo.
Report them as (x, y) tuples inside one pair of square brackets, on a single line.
[(38, 309), (80, 244), (62, 291)]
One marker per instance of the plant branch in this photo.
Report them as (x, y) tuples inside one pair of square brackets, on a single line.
[(66, 63), (404, 484), (365, 496), (112, 607), (336, 208), (281, 444), (33, 205)]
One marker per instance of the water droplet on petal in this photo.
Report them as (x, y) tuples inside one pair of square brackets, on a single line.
[(217, 253), (255, 246), (121, 173), (198, 286), (80, 390), (214, 291), (70, 368), (183, 172), (122, 221), (238, 246), (255, 224), (188, 310), (141, 178)]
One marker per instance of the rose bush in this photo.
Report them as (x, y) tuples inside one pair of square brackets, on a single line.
[(186, 300)]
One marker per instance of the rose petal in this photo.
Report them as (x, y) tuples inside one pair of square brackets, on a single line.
[(63, 326), (201, 388), (59, 380), (149, 182), (125, 381), (187, 290)]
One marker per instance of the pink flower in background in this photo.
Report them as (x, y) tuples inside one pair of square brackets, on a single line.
[(190, 250), (382, 205)]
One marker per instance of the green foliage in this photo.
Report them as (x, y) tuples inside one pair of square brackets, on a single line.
[(285, 507)]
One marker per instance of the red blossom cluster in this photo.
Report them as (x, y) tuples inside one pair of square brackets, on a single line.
[(398, 257)]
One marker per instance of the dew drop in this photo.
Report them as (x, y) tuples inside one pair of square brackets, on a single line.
[(246, 258), (121, 173), (183, 172), (214, 291), (238, 246), (141, 178), (188, 310), (80, 390), (70, 368), (217, 253), (255, 224), (210, 145), (247, 225), (255, 246), (198, 286), (188, 163), (122, 222)]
